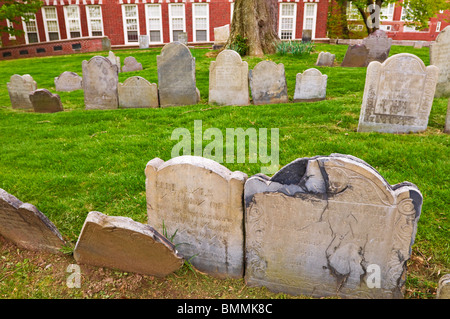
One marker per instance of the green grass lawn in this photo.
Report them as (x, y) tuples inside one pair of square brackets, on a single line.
[(73, 162)]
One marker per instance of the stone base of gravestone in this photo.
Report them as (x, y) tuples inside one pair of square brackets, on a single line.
[(44, 101)]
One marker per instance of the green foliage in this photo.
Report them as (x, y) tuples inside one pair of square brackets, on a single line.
[(14, 11), (239, 45), (296, 48)]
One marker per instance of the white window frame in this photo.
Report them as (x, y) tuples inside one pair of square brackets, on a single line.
[(147, 18), (89, 20), (194, 29), (388, 12), (231, 11), (46, 20), (124, 21), (171, 5), (10, 25), (25, 28), (352, 12), (314, 17), (294, 19), (66, 17)]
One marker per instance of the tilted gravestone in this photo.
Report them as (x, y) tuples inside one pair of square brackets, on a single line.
[(176, 76), (325, 59), (100, 81), (329, 226), (398, 95), (115, 60), (27, 227), (379, 45), (19, 89), (440, 57), (356, 56), (228, 79), (68, 82), (310, 86), (121, 243), (268, 83), (221, 35), (44, 101), (201, 202), (131, 64), (137, 92)]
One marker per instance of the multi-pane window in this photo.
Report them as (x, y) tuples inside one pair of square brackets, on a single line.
[(403, 17), (154, 22), (201, 21), (30, 28), (94, 19), (73, 21), (352, 12), (387, 12), (51, 23), (10, 26), (131, 23), (287, 21), (177, 22)]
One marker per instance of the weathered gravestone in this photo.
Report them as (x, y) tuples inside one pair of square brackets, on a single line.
[(329, 226), (27, 227), (398, 95), (68, 82), (182, 38), (440, 57), (310, 86), (325, 59), (100, 81), (443, 290), (131, 64), (121, 243), (144, 41), (268, 83), (19, 89), (379, 46), (228, 79), (115, 60), (418, 44), (137, 92), (306, 35), (221, 35), (201, 202), (176, 76), (447, 119), (356, 56), (44, 101)]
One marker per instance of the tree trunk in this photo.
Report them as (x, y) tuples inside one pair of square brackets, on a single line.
[(374, 16), (255, 20)]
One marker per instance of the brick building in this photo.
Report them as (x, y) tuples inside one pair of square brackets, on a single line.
[(122, 21)]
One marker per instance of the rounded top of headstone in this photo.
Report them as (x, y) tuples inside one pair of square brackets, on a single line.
[(268, 65), (312, 72), (444, 35), (398, 59), (175, 46), (229, 56), (130, 59)]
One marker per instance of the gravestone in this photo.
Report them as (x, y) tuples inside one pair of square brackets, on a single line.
[(310, 86), (19, 89), (443, 290), (268, 83), (183, 38), (221, 35), (200, 201), (144, 41), (398, 95), (115, 60), (228, 79), (356, 56), (131, 64), (176, 76), (100, 81), (27, 227), (418, 44), (306, 35), (325, 59), (447, 119), (121, 243), (137, 92), (68, 82), (440, 57), (379, 46), (44, 101), (329, 226)]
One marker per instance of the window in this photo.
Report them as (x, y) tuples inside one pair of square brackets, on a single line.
[(176, 20), (30, 28), (9, 24), (200, 22), (385, 27), (438, 26), (387, 12), (309, 19), (131, 23), (51, 23), (154, 22), (287, 21), (72, 15), (94, 19), (352, 12), (406, 28)]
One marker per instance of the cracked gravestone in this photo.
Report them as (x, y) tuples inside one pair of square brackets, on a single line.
[(268, 83), (440, 57), (68, 82), (27, 227), (398, 95), (44, 101), (310, 86), (137, 92), (200, 201), (122, 243), (329, 226), (19, 89)]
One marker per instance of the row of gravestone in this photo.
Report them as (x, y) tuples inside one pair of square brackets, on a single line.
[(321, 226)]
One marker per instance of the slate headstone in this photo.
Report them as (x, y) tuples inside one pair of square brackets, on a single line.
[(228, 79), (440, 57), (121, 243), (379, 46), (44, 101), (398, 95), (325, 59), (356, 56), (137, 92), (131, 64), (200, 201), (329, 226), (19, 89), (310, 86), (68, 82), (268, 83)]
